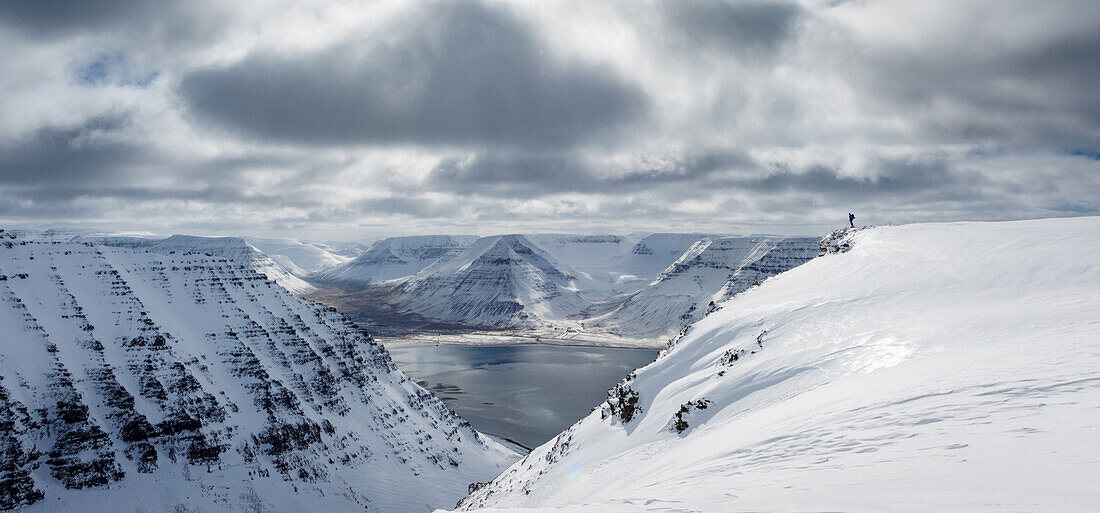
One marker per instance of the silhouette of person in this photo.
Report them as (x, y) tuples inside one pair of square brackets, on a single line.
[(852, 219)]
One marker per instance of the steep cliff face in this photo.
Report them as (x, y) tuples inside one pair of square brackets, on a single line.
[(500, 281), (929, 367), (137, 380), (397, 257), (710, 270)]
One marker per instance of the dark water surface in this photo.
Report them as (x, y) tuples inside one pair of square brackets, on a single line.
[(525, 393)]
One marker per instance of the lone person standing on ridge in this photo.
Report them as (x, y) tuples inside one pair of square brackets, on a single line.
[(852, 219)]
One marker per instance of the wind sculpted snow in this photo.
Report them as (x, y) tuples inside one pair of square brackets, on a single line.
[(932, 367)]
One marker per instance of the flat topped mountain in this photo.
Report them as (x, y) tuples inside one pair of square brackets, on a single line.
[(397, 257), (929, 367), (133, 380)]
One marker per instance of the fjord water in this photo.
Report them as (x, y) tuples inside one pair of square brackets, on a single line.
[(525, 393)]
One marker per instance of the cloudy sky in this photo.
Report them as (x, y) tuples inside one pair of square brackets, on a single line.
[(345, 120)]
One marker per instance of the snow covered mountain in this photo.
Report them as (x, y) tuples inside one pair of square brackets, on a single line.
[(301, 258), (236, 250), (595, 256), (930, 367), (231, 248), (654, 253), (397, 257), (710, 270), (500, 281), (558, 285), (136, 380)]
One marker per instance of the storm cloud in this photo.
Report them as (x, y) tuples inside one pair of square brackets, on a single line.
[(60, 155), (163, 22), (459, 73), (753, 27), (355, 120)]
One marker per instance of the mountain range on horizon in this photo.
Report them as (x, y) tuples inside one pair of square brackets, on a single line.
[(634, 290)]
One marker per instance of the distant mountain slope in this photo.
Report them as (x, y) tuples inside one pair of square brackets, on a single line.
[(652, 254), (500, 281), (237, 250), (135, 380), (232, 248), (397, 257), (301, 258), (593, 255), (608, 287), (710, 270), (932, 367)]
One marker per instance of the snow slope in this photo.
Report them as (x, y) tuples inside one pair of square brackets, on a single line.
[(710, 270), (597, 257), (397, 257), (652, 254), (500, 281), (301, 258), (237, 250), (133, 380), (933, 367), (232, 248)]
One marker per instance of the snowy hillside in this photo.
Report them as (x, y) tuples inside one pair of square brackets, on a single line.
[(397, 257), (596, 256), (933, 367), (710, 270), (237, 250), (653, 254), (231, 248), (500, 281), (133, 380), (301, 258)]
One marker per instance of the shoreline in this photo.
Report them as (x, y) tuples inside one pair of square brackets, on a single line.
[(488, 339)]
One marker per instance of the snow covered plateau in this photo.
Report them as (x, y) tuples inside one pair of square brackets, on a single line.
[(928, 367)]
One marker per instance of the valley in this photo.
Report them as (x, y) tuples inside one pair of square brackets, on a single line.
[(151, 373)]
